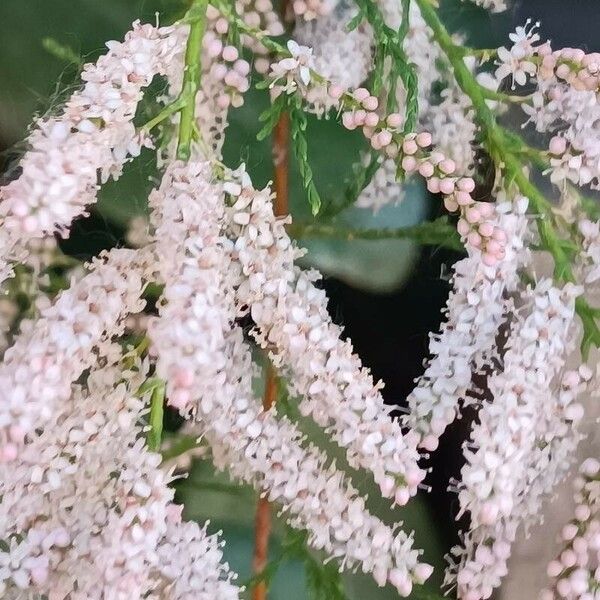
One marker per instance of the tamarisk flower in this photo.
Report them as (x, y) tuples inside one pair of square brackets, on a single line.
[(92, 139), (225, 80), (202, 354), (501, 486), (565, 100), (292, 323), (475, 311), (87, 510), (343, 57), (52, 352), (293, 70), (515, 62), (574, 572)]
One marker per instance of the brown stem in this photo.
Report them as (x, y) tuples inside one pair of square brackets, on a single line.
[(262, 522)]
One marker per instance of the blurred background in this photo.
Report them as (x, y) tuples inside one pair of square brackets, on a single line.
[(387, 294)]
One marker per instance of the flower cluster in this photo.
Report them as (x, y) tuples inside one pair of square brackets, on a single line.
[(87, 511), (502, 484), (94, 136), (202, 355), (292, 322), (475, 311), (86, 504), (575, 572)]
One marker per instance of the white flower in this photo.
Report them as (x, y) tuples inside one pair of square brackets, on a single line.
[(516, 62), (294, 69), (52, 352)]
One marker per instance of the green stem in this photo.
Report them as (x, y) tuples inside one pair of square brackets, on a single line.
[(157, 401), (165, 113), (494, 141), (196, 17), (434, 233)]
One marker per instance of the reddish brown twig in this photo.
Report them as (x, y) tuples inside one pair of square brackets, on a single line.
[(262, 522)]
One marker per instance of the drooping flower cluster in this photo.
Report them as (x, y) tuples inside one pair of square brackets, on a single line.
[(476, 310), (574, 572), (202, 355), (502, 485), (95, 134), (86, 511)]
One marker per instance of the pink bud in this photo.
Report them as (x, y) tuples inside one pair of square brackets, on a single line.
[(426, 169), (242, 67), (447, 166), (214, 48), (222, 26), (554, 569), (450, 204), (472, 215), (359, 117), (558, 145), (424, 139), (372, 119), (223, 101), (361, 94), (392, 150), (463, 198), (336, 91), (409, 164), (385, 137), (474, 239), (368, 132), (375, 143), (409, 146), (433, 185), (230, 53), (447, 186), (486, 209), (348, 120), (370, 103), (463, 227), (394, 120), (466, 184), (486, 230)]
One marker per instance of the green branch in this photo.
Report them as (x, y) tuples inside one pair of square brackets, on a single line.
[(196, 17), (498, 146), (434, 233)]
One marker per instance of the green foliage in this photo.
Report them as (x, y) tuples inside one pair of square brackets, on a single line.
[(389, 45), (323, 581), (298, 125), (63, 52)]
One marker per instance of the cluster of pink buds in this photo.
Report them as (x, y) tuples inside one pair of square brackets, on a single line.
[(312, 9), (576, 570), (572, 65), (227, 67), (476, 218), (380, 131), (475, 224)]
